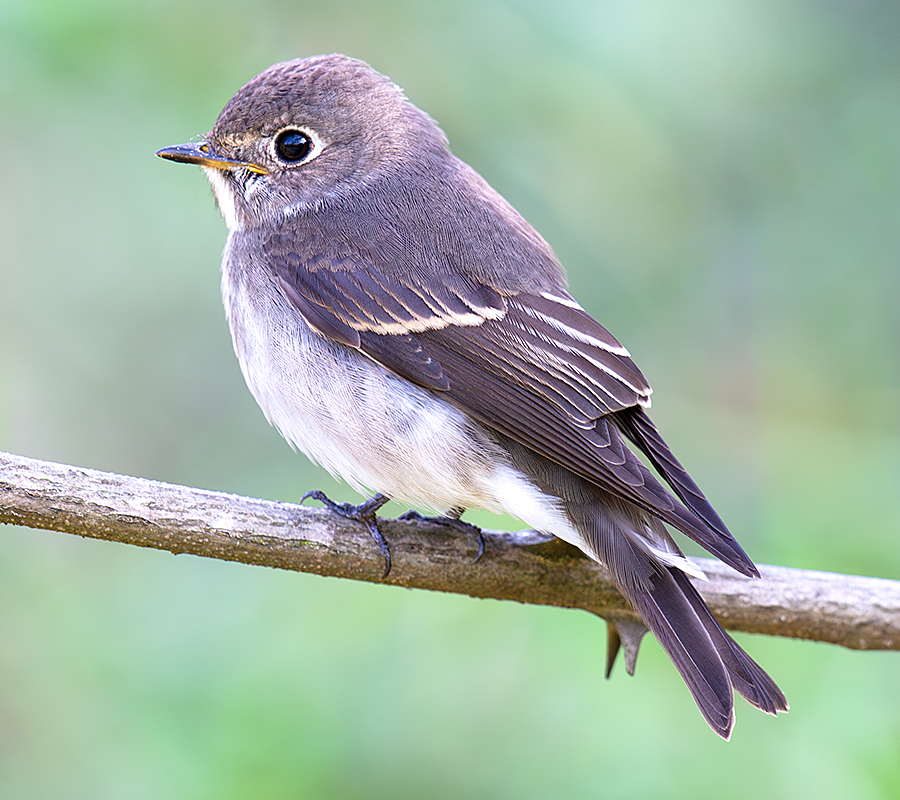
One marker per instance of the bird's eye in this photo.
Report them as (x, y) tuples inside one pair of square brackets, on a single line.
[(292, 145)]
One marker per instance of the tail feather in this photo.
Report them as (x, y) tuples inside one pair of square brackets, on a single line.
[(695, 659), (710, 662), (748, 678), (628, 540), (682, 634)]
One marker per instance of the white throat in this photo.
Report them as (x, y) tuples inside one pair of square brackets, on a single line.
[(224, 197)]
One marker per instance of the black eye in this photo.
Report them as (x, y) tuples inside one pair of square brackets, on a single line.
[(293, 145)]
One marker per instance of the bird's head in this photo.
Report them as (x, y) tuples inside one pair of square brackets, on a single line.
[(305, 131)]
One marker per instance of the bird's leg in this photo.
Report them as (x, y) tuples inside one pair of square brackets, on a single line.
[(364, 513), (450, 517)]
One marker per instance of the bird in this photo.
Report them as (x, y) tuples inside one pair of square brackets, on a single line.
[(400, 323)]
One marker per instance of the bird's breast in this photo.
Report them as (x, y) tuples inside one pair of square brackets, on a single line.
[(345, 411)]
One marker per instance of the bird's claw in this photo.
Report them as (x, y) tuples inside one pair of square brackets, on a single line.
[(451, 518), (364, 513)]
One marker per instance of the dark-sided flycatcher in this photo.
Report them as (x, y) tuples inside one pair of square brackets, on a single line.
[(400, 323)]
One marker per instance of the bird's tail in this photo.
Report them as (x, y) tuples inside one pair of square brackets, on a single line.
[(652, 574), (711, 663)]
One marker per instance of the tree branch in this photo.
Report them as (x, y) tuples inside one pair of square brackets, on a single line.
[(856, 612)]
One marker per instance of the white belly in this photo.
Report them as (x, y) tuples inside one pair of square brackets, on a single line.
[(362, 422), (349, 414)]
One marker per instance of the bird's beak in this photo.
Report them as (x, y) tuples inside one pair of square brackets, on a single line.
[(201, 153)]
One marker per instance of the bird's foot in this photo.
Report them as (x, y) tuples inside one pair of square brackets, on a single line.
[(451, 518), (364, 513)]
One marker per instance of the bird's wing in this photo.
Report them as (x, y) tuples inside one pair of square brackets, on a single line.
[(533, 366), (363, 299)]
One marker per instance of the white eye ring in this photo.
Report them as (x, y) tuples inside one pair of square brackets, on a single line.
[(294, 146)]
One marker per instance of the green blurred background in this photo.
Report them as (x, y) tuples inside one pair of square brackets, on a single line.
[(722, 182)]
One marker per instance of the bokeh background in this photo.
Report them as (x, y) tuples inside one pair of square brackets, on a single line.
[(721, 180)]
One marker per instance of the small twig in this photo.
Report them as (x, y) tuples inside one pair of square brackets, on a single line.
[(857, 612)]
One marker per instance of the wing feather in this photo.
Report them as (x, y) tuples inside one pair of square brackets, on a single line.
[(533, 366)]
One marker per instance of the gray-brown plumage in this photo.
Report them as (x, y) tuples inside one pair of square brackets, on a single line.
[(400, 323)]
